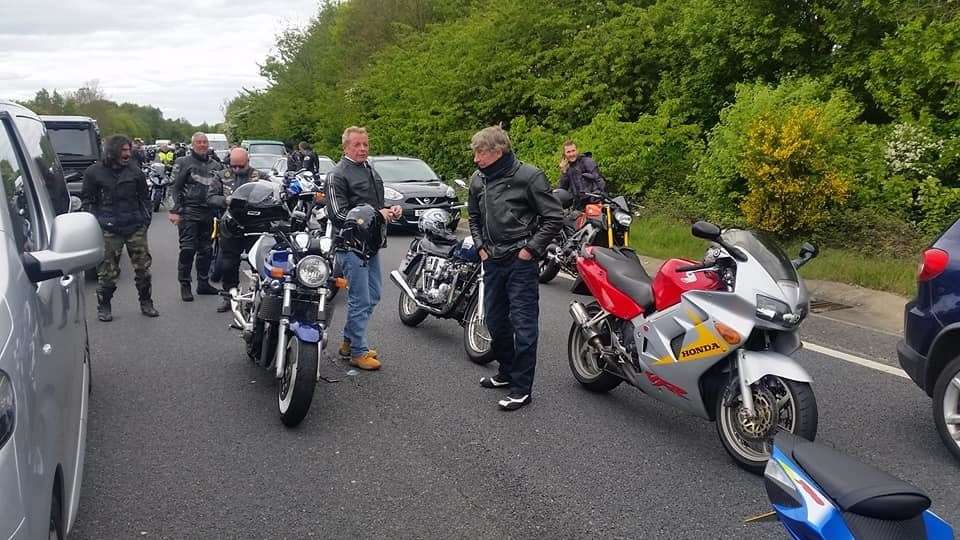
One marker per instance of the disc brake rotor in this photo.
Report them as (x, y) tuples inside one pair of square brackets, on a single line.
[(762, 425)]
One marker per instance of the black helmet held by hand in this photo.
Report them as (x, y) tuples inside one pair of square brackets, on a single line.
[(362, 231)]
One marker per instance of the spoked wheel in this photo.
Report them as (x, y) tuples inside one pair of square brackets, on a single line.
[(295, 391), (780, 404), (585, 362), (410, 313), (476, 337), (946, 406)]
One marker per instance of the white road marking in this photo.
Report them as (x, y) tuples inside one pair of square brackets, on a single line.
[(855, 359)]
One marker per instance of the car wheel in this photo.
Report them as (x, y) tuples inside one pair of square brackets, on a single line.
[(946, 406)]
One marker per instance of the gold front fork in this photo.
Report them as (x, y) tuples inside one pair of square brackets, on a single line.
[(609, 227)]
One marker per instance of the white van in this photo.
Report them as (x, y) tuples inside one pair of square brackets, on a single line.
[(219, 144)]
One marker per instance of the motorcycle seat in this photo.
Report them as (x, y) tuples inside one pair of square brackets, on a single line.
[(627, 274), (857, 487), (441, 247)]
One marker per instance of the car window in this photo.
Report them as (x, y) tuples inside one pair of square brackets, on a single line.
[(404, 170), (72, 141), (325, 165), (40, 150), (274, 149), (281, 166), (21, 201)]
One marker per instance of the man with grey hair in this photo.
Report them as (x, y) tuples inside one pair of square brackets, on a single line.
[(193, 174), (513, 217), (351, 184)]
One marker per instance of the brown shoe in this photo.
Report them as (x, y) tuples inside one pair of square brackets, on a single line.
[(366, 361), (345, 350)]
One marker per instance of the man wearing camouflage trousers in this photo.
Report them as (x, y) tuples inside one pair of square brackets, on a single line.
[(115, 191)]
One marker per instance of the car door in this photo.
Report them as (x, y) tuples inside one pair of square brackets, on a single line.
[(60, 370)]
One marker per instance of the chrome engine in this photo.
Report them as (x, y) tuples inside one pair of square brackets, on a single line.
[(440, 279)]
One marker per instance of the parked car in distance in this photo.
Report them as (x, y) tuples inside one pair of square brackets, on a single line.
[(264, 164), (324, 166), (264, 147), (76, 140), (412, 184), (930, 349), (219, 144), (44, 349)]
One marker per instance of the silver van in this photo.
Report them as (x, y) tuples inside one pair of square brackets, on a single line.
[(44, 353)]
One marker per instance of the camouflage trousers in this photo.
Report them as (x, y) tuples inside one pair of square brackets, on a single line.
[(140, 259)]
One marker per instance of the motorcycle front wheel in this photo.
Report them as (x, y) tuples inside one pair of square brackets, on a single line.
[(780, 404), (548, 270), (476, 337), (295, 388)]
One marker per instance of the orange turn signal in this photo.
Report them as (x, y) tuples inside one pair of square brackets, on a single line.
[(319, 197), (276, 272), (728, 334)]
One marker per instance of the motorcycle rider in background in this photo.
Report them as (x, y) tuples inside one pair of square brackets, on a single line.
[(232, 241), (192, 177), (579, 174), (166, 156)]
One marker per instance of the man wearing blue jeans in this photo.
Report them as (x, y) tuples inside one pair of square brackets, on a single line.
[(513, 217), (353, 183)]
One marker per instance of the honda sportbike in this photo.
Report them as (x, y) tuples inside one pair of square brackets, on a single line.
[(442, 276), (714, 338)]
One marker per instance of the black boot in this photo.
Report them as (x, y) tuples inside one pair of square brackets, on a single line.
[(185, 293), (146, 302), (205, 288), (104, 313), (224, 303)]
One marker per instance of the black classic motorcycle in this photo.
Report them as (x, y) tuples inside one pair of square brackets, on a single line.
[(283, 311), (441, 275)]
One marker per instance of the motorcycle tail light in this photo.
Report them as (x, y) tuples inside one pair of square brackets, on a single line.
[(932, 264), (728, 334)]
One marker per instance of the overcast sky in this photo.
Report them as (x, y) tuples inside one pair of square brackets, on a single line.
[(187, 58)]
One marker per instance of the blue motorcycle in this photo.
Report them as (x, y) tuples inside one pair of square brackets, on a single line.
[(818, 492)]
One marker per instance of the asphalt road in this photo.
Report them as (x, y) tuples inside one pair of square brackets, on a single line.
[(185, 440)]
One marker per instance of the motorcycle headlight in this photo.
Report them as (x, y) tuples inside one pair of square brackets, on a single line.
[(391, 194), (312, 271), (770, 309), (623, 218), (8, 408), (451, 193)]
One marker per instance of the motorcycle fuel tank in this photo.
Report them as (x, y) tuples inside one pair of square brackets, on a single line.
[(669, 284)]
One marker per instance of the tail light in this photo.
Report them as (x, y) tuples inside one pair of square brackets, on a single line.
[(932, 264)]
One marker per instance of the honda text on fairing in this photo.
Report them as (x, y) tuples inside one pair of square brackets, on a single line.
[(283, 311), (605, 222), (441, 275), (713, 338), (819, 493)]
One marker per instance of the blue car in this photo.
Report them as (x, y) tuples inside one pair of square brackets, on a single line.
[(930, 349)]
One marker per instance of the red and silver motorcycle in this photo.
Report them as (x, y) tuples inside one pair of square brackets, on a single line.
[(714, 339)]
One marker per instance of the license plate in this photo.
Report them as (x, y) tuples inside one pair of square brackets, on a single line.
[(420, 212)]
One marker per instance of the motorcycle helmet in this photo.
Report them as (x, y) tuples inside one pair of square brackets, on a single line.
[(564, 197), (362, 231), (435, 221)]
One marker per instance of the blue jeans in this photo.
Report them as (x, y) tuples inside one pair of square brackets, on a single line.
[(363, 294), (512, 305)]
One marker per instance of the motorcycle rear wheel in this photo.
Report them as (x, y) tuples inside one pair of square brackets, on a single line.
[(295, 388), (548, 270), (796, 412), (586, 363), (476, 337)]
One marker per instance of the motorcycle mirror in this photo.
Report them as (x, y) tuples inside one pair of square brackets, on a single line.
[(808, 251), (705, 230), (460, 182), (74, 176)]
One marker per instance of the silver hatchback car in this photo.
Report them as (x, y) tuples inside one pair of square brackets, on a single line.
[(44, 353)]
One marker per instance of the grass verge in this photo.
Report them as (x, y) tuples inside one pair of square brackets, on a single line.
[(664, 238)]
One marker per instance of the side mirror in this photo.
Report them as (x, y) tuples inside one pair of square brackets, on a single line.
[(808, 251), (461, 182), (77, 244), (74, 177), (706, 230), (75, 203), (440, 176)]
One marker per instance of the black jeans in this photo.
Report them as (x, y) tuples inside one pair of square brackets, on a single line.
[(231, 247), (512, 305), (195, 241)]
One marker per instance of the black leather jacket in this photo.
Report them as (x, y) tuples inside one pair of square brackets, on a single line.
[(119, 198), (226, 182), (513, 211), (192, 177), (349, 185)]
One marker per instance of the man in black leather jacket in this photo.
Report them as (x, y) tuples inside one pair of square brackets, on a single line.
[(513, 217), (193, 175)]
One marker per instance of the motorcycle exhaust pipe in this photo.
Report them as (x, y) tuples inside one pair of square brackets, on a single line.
[(579, 314), (399, 280)]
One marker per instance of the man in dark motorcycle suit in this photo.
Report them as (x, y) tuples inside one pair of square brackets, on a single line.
[(580, 175), (193, 175), (232, 241)]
